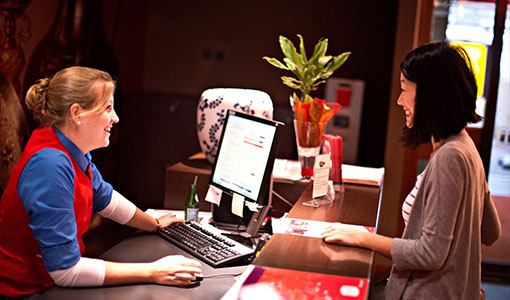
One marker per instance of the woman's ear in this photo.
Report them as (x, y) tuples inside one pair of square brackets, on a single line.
[(74, 113)]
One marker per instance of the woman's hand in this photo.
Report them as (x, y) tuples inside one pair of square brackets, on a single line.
[(175, 270), (343, 235), (145, 222), (169, 270), (169, 219)]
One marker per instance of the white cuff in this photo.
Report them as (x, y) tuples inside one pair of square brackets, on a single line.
[(120, 209), (86, 272)]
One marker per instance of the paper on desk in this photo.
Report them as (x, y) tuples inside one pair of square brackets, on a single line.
[(362, 175), (307, 228)]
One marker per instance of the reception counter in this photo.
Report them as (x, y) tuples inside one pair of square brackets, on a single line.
[(358, 205)]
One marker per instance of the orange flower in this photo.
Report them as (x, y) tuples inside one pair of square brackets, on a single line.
[(317, 111)]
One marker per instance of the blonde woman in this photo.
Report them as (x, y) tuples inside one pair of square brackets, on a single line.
[(54, 189)]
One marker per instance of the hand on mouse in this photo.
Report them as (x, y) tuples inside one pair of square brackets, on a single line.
[(175, 270), (195, 277), (198, 277)]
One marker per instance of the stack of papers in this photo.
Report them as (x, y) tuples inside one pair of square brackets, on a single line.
[(285, 169), (362, 175)]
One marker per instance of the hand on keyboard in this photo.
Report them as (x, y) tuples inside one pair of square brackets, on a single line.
[(175, 270), (169, 219)]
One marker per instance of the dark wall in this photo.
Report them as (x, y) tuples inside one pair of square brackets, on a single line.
[(195, 45), (170, 51)]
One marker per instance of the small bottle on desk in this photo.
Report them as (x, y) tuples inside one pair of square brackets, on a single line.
[(191, 207)]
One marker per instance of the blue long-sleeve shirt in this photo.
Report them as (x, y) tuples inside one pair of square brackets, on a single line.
[(46, 189)]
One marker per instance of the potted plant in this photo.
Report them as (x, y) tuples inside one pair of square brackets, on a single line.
[(310, 114)]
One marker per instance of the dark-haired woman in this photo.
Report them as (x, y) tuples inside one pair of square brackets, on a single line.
[(54, 188), (449, 213)]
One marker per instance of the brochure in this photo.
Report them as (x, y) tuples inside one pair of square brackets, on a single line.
[(307, 228)]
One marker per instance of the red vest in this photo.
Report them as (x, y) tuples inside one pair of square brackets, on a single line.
[(21, 267)]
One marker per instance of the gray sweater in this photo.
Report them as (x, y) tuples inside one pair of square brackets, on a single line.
[(439, 255)]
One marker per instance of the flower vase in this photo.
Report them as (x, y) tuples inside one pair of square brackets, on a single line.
[(308, 140)]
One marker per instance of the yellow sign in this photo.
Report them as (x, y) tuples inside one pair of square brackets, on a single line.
[(478, 55)]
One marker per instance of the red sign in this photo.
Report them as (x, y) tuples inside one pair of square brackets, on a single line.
[(343, 96)]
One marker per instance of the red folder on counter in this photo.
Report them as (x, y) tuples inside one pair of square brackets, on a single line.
[(293, 285)]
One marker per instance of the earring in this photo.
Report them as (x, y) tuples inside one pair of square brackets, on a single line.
[(79, 122)]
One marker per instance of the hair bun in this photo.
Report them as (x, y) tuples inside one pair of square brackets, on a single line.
[(37, 98), (41, 88)]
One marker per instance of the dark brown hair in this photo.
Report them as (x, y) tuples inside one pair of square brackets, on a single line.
[(446, 92)]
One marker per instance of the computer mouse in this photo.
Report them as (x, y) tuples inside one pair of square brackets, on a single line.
[(198, 277)]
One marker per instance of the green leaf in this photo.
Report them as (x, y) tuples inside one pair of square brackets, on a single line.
[(275, 62), (318, 70), (323, 61), (304, 60), (289, 50), (307, 98), (319, 51), (291, 79), (307, 79), (291, 85), (309, 73), (325, 75), (315, 86), (294, 68), (338, 61), (291, 82), (326, 69), (295, 97)]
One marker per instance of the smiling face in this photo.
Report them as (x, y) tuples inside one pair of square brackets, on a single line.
[(407, 99), (95, 127)]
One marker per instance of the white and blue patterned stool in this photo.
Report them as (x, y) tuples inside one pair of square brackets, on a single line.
[(212, 109)]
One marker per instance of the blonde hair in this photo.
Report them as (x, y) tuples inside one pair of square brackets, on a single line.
[(49, 99)]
